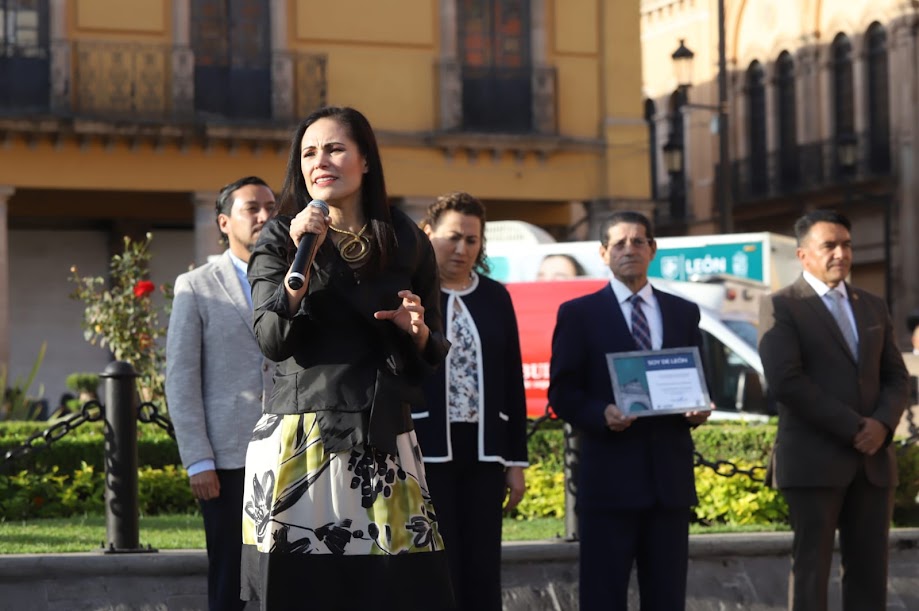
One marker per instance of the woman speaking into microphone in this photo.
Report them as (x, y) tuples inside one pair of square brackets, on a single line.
[(337, 513)]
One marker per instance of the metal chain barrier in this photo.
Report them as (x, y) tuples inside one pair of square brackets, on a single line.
[(92, 411), (726, 468), (149, 412)]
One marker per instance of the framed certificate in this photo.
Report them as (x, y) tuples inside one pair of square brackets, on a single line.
[(657, 382)]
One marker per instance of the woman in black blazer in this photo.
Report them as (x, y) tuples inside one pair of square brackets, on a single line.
[(337, 514), (472, 428)]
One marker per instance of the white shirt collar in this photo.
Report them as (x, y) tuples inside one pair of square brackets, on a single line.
[(623, 293), (459, 293), (821, 288)]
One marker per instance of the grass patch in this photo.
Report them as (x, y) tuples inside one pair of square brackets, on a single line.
[(533, 529), (87, 533)]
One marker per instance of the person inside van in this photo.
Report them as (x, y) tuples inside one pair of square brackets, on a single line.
[(559, 266)]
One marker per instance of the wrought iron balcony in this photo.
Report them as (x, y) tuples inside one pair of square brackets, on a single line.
[(497, 100), (808, 167), (145, 83)]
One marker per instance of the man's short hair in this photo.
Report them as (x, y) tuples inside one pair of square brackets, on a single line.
[(804, 224), (625, 216), (225, 199)]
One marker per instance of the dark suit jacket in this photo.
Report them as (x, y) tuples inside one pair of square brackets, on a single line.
[(649, 463), (821, 390), (358, 374)]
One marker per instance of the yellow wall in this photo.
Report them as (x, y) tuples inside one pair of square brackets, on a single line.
[(121, 17), (395, 87), (391, 22), (383, 59)]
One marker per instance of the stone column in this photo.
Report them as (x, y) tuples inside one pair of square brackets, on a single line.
[(207, 235), (6, 192), (183, 61), (415, 207), (904, 89)]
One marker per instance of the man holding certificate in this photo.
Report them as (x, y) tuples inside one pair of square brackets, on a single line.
[(636, 482)]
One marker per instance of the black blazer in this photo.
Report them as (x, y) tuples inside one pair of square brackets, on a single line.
[(502, 425), (359, 375), (649, 463)]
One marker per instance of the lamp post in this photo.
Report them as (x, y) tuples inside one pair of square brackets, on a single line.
[(847, 160), (673, 162), (682, 63)]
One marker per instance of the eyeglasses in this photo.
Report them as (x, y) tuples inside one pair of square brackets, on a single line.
[(635, 242)]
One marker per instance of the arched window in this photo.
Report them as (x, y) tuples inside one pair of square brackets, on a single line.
[(786, 120), (756, 126), (878, 99), (843, 92)]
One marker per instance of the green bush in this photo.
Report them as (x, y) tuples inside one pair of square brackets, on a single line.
[(82, 382), (906, 498), (84, 444), (545, 496), (30, 495), (736, 500)]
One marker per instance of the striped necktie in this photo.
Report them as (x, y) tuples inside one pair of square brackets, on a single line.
[(845, 325), (641, 332)]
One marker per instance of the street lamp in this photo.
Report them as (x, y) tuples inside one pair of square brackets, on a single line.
[(673, 161), (847, 152), (682, 63), (673, 157)]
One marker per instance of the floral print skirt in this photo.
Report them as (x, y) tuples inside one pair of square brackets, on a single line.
[(348, 530)]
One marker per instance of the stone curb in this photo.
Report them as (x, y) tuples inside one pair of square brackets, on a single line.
[(186, 562)]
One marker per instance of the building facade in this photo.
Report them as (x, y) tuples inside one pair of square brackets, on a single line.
[(822, 114), (118, 118)]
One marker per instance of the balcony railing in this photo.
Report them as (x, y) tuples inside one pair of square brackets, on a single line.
[(497, 100), (807, 167), (146, 83)]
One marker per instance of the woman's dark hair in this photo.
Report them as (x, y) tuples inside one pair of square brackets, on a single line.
[(463, 203), (374, 202)]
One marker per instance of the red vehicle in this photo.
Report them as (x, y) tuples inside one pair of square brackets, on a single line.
[(536, 305)]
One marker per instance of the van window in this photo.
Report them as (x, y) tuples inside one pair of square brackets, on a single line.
[(744, 329), (723, 372)]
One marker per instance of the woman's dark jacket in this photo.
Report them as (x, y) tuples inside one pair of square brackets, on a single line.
[(357, 374), (502, 423)]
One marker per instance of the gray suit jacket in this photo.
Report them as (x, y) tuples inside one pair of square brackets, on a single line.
[(216, 376), (822, 391)]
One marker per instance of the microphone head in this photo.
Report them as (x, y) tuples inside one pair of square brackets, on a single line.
[(318, 203)]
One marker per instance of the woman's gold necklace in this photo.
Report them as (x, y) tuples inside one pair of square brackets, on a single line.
[(355, 247)]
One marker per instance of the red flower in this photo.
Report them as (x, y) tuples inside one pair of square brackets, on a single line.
[(143, 288)]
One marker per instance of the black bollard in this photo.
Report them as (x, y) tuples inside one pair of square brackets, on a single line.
[(121, 506), (572, 456)]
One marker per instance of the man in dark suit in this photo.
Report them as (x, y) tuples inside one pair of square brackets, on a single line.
[(636, 482), (832, 364)]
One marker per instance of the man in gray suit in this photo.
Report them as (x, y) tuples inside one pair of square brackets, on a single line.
[(832, 364), (216, 377)]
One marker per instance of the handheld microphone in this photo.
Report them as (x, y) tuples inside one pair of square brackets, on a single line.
[(305, 252)]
